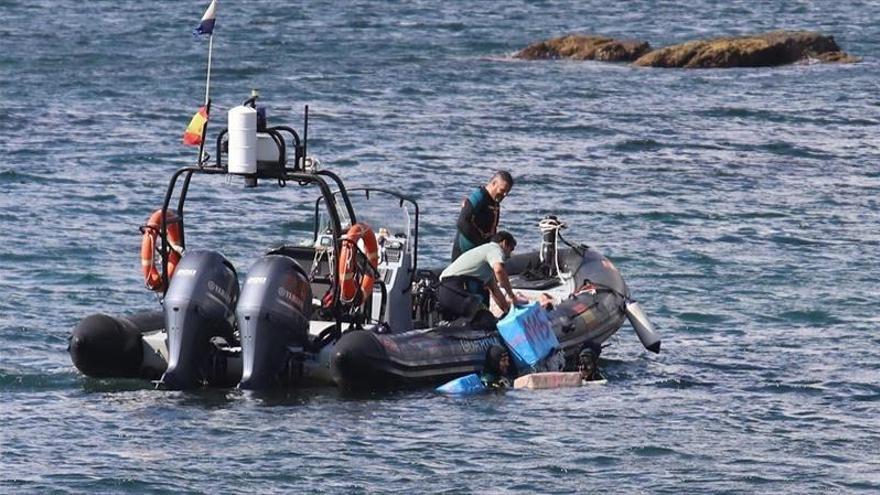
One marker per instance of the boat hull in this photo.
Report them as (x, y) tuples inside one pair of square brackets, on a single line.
[(589, 307), (366, 360)]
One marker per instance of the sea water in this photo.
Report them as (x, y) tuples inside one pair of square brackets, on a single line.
[(740, 205)]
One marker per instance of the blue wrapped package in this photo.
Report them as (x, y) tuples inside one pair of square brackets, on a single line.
[(529, 335), (468, 384)]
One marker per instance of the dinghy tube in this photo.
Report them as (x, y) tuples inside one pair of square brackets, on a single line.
[(103, 346)]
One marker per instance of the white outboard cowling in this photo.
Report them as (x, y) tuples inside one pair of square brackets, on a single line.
[(242, 128), (273, 318)]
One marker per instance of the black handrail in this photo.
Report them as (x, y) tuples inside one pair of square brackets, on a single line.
[(303, 178), (341, 187), (280, 171)]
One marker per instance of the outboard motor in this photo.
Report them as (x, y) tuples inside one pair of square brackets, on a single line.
[(643, 326), (273, 317), (550, 227), (199, 305)]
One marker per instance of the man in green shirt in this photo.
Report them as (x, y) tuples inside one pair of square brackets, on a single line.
[(462, 282)]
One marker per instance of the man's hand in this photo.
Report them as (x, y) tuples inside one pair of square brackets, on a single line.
[(518, 300)]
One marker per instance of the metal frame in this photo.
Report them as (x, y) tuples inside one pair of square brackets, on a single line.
[(283, 174)]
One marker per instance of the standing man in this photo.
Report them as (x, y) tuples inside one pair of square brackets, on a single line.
[(478, 220), (462, 282)]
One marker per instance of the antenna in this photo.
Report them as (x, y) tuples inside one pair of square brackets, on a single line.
[(305, 136)]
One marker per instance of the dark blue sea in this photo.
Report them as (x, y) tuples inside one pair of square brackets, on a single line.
[(742, 207)]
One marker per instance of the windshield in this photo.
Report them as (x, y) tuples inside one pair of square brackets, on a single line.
[(389, 215)]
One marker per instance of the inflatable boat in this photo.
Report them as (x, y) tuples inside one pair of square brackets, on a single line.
[(590, 302), (348, 307)]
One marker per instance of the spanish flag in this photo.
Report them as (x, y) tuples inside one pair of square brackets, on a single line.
[(195, 131)]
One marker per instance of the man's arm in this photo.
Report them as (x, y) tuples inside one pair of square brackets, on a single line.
[(504, 281), (500, 300)]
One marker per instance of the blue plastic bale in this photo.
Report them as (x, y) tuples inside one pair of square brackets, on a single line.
[(468, 384), (528, 333)]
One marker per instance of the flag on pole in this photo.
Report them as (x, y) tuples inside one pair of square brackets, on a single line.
[(195, 131), (206, 25)]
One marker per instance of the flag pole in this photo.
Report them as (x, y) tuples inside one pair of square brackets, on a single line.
[(202, 155), (208, 79), (206, 26)]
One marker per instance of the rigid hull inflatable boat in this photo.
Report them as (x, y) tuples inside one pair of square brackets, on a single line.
[(348, 307)]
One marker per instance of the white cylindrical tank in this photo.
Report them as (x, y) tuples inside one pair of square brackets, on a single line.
[(242, 128)]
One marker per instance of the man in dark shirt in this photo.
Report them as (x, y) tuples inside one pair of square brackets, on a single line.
[(497, 370), (478, 220)]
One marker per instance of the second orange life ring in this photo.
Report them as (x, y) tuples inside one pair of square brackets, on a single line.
[(149, 248), (348, 287)]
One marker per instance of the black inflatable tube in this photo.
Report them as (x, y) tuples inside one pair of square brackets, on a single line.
[(363, 360), (358, 362), (104, 346)]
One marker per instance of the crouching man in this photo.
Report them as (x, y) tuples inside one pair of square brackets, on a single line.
[(462, 283)]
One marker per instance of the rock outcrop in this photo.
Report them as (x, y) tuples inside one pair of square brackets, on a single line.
[(761, 50), (584, 47)]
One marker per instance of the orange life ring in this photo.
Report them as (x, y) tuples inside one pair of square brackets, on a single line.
[(348, 288), (153, 273)]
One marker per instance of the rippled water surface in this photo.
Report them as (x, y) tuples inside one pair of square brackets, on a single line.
[(741, 206)]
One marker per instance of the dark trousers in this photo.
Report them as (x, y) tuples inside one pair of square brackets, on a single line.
[(462, 297)]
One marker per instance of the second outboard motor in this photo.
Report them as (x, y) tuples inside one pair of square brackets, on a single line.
[(273, 317), (199, 305)]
